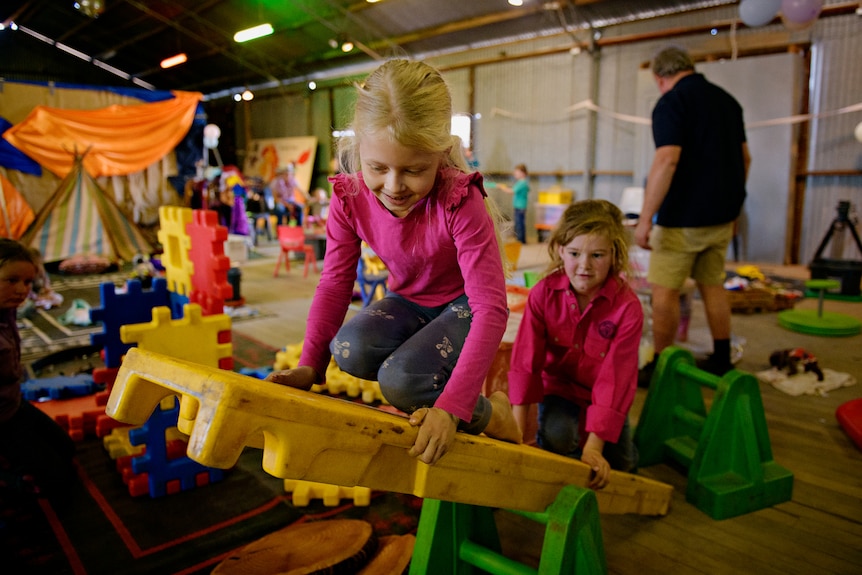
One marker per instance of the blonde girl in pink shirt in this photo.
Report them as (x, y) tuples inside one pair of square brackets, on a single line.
[(405, 190)]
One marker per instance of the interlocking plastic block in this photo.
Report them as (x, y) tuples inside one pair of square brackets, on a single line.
[(195, 337), (117, 444), (210, 287), (176, 244), (78, 416), (335, 381), (119, 309), (166, 467), (331, 495), (59, 387), (318, 438), (105, 376), (727, 451), (259, 372)]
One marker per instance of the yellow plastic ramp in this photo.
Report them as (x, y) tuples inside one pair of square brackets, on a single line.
[(318, 438)]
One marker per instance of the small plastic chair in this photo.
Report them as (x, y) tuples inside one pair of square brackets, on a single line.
[(292, 239)]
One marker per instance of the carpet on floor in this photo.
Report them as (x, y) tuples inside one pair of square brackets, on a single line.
[(101, 529)]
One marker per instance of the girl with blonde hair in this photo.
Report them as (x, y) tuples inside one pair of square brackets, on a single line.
[(404, 189)]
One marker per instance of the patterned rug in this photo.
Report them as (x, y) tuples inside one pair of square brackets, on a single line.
[(44, 332), (102, 529)]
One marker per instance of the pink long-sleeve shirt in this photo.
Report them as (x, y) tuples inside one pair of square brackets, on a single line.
[(445, 247), (589, 357)]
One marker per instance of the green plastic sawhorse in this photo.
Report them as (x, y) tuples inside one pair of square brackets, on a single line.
[(727, 451), (461, 539)]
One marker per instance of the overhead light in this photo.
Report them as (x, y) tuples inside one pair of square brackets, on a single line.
[(347, 46), (312, 85), (91, 8), (516, 2), (173, 61), (248, 95), (252, 33)]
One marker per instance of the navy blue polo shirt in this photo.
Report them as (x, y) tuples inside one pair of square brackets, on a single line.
[(708, 187)]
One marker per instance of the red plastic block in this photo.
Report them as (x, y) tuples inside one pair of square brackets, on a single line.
[(210, 287)]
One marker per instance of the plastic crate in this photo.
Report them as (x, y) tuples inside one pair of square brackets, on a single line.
[(556, 197)]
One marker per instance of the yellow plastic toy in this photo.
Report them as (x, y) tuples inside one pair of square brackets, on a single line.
[(172, 235), (304, 491), (314, 437), (337, 381)]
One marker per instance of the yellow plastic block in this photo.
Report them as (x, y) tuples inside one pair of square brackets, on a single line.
[(176, 243), (288, 357), (117, 443), (194, 337), (337, 381), (320, 438), (331, 495)]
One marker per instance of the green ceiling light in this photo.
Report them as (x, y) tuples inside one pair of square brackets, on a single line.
[(252, 33)]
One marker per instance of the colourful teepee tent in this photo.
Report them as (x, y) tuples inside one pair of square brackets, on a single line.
[(81, 219)]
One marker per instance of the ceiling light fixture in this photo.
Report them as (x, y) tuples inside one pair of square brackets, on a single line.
[(252, 33), (174, 61), (248, 95), (91, 8), (347, 46)]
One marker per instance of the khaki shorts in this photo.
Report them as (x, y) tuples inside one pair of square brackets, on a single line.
[(680, 253)]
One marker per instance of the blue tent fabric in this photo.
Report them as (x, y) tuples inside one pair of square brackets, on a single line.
[(12, 158)]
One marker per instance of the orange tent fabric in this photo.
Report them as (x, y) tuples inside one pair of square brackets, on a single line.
[(118, 140), (15, 213)]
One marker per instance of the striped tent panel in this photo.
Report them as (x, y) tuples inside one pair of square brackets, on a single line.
[(80, 218)]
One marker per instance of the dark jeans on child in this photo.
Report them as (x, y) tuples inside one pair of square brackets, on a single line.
[(520, 217), (409, 350), (558, 432)]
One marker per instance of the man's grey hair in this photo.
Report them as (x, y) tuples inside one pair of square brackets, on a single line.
[(671, 61)]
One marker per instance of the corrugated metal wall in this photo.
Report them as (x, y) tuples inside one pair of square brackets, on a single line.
[(522, 95), (836, 83)]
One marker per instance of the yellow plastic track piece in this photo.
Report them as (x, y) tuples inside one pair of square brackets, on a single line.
[(319, 438)]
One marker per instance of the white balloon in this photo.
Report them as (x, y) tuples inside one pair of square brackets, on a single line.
[(758, 12), (858, 131)]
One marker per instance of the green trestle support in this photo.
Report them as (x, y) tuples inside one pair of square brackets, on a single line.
[(727, 451), (461, 539)]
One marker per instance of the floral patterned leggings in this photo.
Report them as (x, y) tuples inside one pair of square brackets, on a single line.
[(410, 350)]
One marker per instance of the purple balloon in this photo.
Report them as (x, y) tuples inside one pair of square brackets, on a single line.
[(801, 11), (758, 12)]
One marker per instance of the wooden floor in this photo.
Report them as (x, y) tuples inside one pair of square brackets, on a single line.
[(819, 531)]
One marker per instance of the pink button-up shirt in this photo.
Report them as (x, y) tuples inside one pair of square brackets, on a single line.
[(445, 247), (589, 357)]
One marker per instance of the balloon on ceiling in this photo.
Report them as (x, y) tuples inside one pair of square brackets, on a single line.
[(799, 14), (758, 12)]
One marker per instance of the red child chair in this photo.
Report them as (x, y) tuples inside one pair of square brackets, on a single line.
[(292, 239)]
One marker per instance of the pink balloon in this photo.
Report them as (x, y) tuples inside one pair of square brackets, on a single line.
[(801, 11)]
